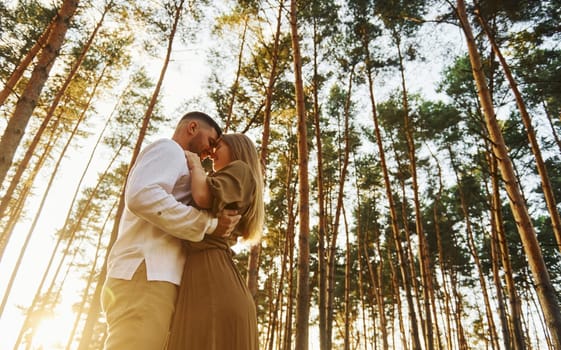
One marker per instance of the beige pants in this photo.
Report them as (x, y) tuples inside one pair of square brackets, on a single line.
[(138, 312)]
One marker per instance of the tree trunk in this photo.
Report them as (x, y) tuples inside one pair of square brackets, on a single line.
[(303, 285), (473, 249), (403, 264), (255, 250), (331, 266), (236, 83), (544, 288), (517, 339), (376, 290), (322, 216), (446, 294), (91, 279), (24, 108), (426, 276)]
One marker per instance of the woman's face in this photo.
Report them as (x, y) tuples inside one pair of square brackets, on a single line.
[(221, 155)]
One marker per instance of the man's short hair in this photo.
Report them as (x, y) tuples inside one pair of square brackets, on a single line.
[(203, 117)]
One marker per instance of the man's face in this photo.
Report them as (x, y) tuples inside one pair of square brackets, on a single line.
[(203, 140)]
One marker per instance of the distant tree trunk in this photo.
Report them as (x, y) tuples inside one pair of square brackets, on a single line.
[(322, 216), (361, 287), (446, 294), (543, 285), (255, 250), (458, 313), (550, 201), (343, 169), (347, 296), (399, 304), (552, 126), (426, 276), (91, 280), (517, 341), (16, 75), (403, 263), (473, 249), (290, 234), (236, 83), (362, 249), (495, 262), (303, 289), (24, 108)]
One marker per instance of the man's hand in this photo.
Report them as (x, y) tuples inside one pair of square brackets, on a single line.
[(227, 221)]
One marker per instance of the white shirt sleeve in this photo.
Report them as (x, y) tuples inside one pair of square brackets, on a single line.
[(149, 193)]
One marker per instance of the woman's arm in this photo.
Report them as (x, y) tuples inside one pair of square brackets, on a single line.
[(199, 187)]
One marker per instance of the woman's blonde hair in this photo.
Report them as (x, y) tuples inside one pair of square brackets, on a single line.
[(242, 148)]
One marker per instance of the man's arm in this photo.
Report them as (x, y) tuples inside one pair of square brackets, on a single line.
[(149, 195), (227, 221)]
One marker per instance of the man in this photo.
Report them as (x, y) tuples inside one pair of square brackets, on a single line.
[(146, 262)]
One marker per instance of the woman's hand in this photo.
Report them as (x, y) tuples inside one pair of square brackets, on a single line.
[(193, 160)]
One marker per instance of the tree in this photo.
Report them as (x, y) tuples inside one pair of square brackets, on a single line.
[(545, 290)]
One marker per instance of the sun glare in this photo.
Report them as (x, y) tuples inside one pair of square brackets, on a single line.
[(52, 332)]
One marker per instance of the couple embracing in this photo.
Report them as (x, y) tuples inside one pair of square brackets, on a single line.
[(171, 281)]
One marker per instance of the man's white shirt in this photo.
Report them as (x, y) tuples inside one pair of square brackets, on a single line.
[(156, 216)]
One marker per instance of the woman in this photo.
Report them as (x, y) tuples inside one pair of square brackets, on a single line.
[(215, 309)]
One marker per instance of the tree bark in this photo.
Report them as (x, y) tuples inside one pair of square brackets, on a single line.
[(303, 285)]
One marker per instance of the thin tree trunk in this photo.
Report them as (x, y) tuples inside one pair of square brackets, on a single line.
[(347, 297), (90, 281), (303, 286), (398, 302), (437, 217), (255, 250), (24, 108), (495, 261), (376, 290), (552, 125), (544, 287), (403, 264), (517, 339), (458, 313), (473, 249), (290, 234), (322, 216), (343, 169), (426, 276), (236, 83)]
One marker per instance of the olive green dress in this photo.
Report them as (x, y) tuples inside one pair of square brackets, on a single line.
[(215, 309)]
